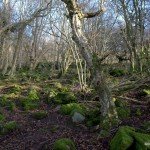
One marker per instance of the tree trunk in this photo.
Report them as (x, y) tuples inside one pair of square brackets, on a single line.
[(75, 17)]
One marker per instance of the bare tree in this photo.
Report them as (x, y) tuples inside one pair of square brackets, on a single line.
[(76, 16)]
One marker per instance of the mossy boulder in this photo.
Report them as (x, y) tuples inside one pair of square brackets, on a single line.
[(8, 127), (64, 97), (127, 138), (70, 109), (64, 144), (39, 115)]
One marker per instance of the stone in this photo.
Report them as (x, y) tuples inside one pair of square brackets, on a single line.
[(77, 117)]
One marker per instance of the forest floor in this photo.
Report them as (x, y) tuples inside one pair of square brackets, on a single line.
[(33, 134)]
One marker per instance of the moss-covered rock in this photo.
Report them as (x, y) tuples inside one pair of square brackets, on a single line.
[(64, 97), (70, 109), (8, 127), (64, 144), (39, 115), (127, 138)]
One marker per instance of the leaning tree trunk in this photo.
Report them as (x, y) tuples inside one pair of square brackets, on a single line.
[(75, 17)]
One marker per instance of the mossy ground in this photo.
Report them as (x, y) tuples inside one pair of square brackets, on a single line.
[(25, 101)]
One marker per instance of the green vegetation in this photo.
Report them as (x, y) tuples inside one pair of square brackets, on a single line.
[(29, 105), (92, 117), (64, 97), (8, 127), (15, 89), (117, 72), (122, 108), (39, 115), (69, 109), (64, 144), (33, 95), (127, 138), (2, 117), (123, 112), (3, 101), (146, 91)]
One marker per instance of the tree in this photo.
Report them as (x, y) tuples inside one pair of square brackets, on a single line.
[(134, 15), (76, 17)]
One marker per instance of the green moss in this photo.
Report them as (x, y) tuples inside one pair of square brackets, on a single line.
[(92, 117), (122, 108), (30, 102), (64, 144), (11, 106), (122, 139), (2, 117), (39, 115), (64, 98), (69, 109), (117, 72), (8, 127), (33, 95), (127, 138), (120, 103), (146, 91), (15, 89), (50, 96), (29, 105), (142, 140), (3, 101), (123, 112)]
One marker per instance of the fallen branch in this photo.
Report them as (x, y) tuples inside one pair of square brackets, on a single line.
[(132, 100)]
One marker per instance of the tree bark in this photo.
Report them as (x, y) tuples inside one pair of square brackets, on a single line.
[(75, 17)]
